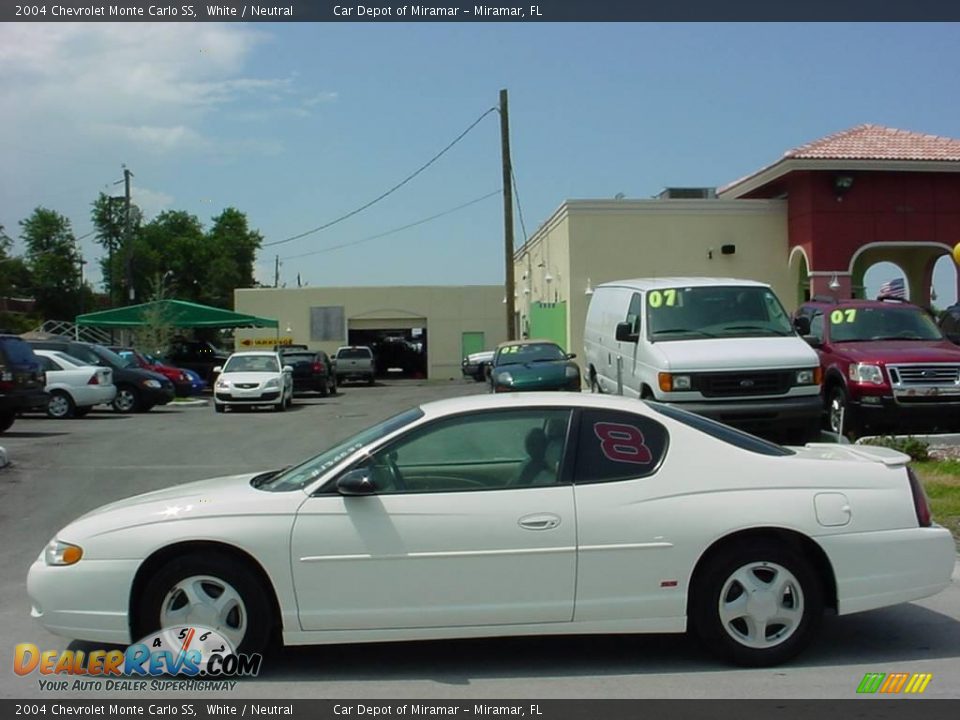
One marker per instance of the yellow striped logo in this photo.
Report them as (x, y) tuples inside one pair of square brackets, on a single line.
[(894, 683)]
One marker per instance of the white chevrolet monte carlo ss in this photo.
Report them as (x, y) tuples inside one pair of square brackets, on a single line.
[(524, 514)]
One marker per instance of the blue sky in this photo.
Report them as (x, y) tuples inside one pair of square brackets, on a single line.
[(297, 124)]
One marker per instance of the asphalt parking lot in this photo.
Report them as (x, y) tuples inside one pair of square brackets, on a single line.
[(62, 469)]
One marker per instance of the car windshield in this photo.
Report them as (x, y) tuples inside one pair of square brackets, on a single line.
[(686, 313), (861, 324), (251, 363), (298, 477), (530, 352)]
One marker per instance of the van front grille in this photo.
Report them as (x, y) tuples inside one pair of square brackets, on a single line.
[(743, 383)]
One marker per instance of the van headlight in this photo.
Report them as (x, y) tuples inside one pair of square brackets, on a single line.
[(866, 373), (669, 382), (809, 377)]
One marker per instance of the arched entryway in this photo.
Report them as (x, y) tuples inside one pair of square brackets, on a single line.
[(916, 260), (800, 274)]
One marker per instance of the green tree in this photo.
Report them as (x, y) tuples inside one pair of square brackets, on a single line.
[(53, 259), (109, 217), (232, 247)]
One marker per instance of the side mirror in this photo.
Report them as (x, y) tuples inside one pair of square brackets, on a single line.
[(218, 369), (356, 482), (571, 356), (625, 332), (813, 341), (801, 324), (288, 368)]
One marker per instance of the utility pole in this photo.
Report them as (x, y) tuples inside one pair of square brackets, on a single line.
[(276, 270), (127, 240), (507, 215)]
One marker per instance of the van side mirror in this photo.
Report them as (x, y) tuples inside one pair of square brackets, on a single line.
[(813, 341), (801, 324), (625, 332)]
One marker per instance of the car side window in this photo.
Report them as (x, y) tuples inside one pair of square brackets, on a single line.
[(481, 451), (614, 445), (634, 312), (46, 364), (816, 326)]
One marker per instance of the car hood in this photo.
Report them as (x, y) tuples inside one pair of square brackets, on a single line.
[(899, 351), (249, 377), (216, 497), (744, 353)]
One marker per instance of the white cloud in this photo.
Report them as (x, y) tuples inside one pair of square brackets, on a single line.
[(150, 202)]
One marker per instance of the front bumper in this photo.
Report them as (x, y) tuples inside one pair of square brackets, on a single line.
[(261, 399), (157, 396), (86, 601), (789, 412), (918, 414)]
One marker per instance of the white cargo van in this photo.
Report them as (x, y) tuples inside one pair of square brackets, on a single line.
[(719, 347)]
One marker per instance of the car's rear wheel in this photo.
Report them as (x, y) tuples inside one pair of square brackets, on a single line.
[(60, 406), (213, 591), (756, 605), (127, 399), (324, 388)]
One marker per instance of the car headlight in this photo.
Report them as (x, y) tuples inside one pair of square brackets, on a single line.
[(221, 383), (504, 378), (572, 372), (272, 383), (58, 552), (669, 382), (866, 373), (812, 376), (155, 384)]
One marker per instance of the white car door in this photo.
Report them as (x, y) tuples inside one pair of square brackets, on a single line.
[(628, 530), (472, 523)]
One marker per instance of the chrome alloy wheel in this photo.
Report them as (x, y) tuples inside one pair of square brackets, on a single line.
[(58, 406), (761, 605), (207, 601)]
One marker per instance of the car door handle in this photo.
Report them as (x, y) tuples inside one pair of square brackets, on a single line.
[(540, 521)]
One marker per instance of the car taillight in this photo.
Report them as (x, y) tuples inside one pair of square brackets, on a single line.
[(94, 380), (319, 367), (920, 504)]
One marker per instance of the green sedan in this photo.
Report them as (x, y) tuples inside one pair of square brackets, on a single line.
[(525, 365)]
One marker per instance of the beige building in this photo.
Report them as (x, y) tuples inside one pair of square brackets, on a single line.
[(587, 242), (417, 331)]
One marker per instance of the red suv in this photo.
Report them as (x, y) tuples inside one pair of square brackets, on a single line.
[(886, 366)]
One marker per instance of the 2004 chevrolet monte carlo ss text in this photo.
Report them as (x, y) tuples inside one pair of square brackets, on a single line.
[(520, 514)]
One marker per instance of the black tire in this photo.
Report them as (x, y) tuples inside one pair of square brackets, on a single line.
[(594, 385), (219, 408), (371, 380), (835, 402), (127, 399), (333, 386), (60, 406), (324, 388), (280, 406), (7, 418), (82, 411), (802, 595), (257, 609)]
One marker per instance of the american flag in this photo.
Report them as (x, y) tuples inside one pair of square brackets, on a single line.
[(893, 289)]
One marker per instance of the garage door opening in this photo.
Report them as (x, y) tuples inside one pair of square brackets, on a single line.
[(397, 352)]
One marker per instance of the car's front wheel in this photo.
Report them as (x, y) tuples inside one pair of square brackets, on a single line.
[(219, 408), (7, 418), (213, 591), (756, 605), (127, 399)]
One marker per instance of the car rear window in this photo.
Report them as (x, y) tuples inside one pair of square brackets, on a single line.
[(298, 357), (732, 436), (18, 352), (354, 353)]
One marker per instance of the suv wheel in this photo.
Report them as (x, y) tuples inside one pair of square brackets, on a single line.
[(838, 410)]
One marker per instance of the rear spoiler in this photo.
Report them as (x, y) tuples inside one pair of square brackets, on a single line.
[(868, 453)]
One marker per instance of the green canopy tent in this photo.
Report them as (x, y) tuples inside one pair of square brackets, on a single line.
[(177, 313)]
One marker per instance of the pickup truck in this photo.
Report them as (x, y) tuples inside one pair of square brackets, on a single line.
[(354, 362)]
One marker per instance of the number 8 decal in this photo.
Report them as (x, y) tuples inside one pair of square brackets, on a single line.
[(622, 443)]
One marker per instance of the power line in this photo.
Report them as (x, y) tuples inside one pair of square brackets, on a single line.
[(397, 229), (396, 187)]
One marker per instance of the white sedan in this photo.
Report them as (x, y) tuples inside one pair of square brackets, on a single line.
[(74, 386), (253, 378), (525, 514)]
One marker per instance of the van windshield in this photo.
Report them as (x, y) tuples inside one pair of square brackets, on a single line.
[(686, 313)]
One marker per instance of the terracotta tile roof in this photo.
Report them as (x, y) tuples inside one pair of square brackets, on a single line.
[(875, 142)]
